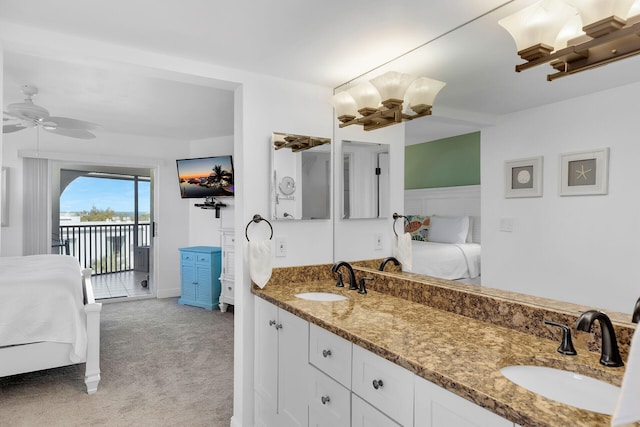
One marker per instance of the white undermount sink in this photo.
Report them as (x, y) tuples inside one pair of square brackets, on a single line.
[(321, 296), (566, 387)]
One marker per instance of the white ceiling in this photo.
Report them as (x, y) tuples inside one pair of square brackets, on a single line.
[(327, 43)]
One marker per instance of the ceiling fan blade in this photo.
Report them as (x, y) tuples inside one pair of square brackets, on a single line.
[(72, 133), (68, 123), (11, 128)]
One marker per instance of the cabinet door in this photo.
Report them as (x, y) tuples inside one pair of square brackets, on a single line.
[(329, 402), (365, 415), (437, 407), (266, 357), (204, 284), (293, 369), (188, 282)]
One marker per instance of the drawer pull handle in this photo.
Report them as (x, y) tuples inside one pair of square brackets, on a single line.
[(326, 353), (377, 384), (325, 399), (272, 322), (279, 326)]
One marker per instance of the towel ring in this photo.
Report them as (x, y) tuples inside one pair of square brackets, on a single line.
[(395, 218), (257, 218)]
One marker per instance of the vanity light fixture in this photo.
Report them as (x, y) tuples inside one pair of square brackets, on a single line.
[(575, 35), (379, 102), (298, 142)]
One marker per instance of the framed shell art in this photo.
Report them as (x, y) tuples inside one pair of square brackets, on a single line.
[(523, 177), (584, 172)]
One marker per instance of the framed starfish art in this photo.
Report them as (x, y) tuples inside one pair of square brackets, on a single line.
[(584, 173)]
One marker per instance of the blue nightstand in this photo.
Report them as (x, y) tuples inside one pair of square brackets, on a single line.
[(200, 268)]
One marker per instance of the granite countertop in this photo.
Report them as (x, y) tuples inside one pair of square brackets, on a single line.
[(458, 353)]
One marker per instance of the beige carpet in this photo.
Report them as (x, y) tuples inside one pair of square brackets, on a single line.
[(163, 364)]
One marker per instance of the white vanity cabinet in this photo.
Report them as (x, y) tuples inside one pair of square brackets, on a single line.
[(227, 277), (385, 385), (437, 407), (307, 376), (282, 370)]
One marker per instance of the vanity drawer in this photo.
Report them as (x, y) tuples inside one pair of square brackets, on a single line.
[(228, 239), (329, 402), (385, 385), (331, 354), (203, 259)]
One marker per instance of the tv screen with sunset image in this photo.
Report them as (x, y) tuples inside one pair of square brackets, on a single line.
[(205, 177)]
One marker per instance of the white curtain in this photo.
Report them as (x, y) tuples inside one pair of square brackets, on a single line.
[(37, 207)]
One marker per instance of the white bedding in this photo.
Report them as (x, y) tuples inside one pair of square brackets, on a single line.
[(41, 299), (446, 260)]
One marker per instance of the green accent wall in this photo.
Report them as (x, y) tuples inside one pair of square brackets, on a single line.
[(448, 162)]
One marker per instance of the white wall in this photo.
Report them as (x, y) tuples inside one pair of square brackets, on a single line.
[(579, 248)]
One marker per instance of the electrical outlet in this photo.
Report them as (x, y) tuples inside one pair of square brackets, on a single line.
[(281, 247), (377, 242)]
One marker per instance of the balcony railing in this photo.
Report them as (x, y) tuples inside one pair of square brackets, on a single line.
[(105, 248)]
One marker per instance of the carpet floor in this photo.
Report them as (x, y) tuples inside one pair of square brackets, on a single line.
[(163, 364)]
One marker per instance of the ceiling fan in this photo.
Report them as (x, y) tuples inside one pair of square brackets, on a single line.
[(26, 114)]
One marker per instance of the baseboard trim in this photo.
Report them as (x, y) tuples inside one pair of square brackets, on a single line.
[(168, 293)]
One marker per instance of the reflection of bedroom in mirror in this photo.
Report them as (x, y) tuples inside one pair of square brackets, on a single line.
[(365, 180), (300, 177)]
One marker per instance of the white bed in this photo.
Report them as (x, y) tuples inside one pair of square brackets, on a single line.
[(48, 316), (446, 260)]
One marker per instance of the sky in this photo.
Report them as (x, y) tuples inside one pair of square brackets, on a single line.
[(85, 192)]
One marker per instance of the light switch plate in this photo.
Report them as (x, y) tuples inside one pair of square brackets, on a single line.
[(377, 242), (506, 224), (281, 247)]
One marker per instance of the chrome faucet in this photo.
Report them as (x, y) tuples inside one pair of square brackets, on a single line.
[(352, 276), (386, 260), (636, 312), (610, 355)]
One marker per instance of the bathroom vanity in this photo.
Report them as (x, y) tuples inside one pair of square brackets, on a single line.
[(318, 363)]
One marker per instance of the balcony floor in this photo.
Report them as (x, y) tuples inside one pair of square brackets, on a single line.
[(120, 285)]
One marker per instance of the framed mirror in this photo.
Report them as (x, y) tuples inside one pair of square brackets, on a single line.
[(300, 177), (364, 185)]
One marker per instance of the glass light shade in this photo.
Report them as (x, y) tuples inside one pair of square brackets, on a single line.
[(392, 85), (570, 31), (594, 10), (539, 23), (365, 96), (344, 104), (635, 9), (423, 91)]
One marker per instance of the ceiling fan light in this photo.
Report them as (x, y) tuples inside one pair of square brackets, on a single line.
[(344, 104), (423, 91), (595, 10), (539, 23), (392, 85), (27, 110), (365, 95)]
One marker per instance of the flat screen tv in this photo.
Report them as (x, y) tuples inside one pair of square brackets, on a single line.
[(205, 177)]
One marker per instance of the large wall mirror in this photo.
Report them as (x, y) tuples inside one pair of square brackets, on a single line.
[(300, 177), (364, 190)]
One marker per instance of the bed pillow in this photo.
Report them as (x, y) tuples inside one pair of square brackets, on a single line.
[(418, 227), (449, 229)]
